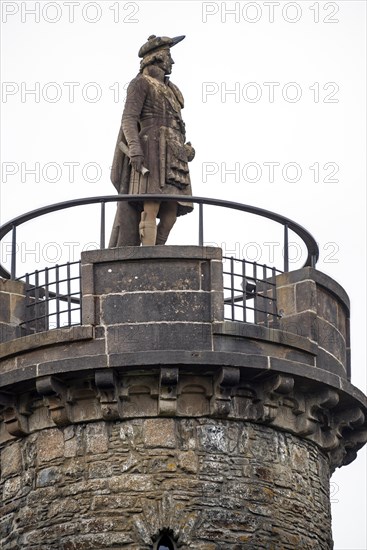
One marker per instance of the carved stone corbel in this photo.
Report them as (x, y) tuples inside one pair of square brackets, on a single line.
[(347, 421), (247, 404), (353, 441), (57, 398), (107, 393), (167, 401), (349, 427), (317, 421), (226, 379), (275, 390), (15, 413)]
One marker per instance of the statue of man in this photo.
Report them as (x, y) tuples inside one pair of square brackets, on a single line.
[(151, 154)]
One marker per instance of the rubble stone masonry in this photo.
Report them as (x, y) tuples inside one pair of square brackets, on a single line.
[(213, 484)]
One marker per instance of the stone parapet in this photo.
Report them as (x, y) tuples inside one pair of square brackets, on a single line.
[(314, 306)]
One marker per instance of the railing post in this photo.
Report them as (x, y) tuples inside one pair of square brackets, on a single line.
[(233, 313), (286, 252), (13, 252), (201, 224), (256, 296), (103, 225), (274, 298), (244, 291)]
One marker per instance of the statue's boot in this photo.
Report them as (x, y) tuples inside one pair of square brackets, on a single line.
[(147, 231), (162, 235), (168, 215)]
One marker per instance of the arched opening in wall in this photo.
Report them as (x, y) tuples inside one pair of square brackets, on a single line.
[(164, 543)]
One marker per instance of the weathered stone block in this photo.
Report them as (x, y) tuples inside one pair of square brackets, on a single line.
[(133, 483), (46, 339), (50, 445), (10, 286), (111, 502), (12, 487), (329, 338), (159, 432), (100, 470), (342, 321), (213, 438), (74, 364), (4, 307), (70, 442), (17, 309), (327, 305), (147, 275), (48, 476), (62, 351), (188, 462), (306, 296), (301, 324), (11, 460), (65, 507), (89, 316), (217, 306), (96, 438), (286, 300), (155, 336), (145, 307), (8, 332), (87, 279), (330, 363)]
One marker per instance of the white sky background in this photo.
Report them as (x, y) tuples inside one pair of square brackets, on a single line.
[(325, 125)]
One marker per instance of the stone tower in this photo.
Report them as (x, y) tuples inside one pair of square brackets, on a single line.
[(155, 423)]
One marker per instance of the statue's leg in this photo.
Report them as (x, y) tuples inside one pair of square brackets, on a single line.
[(168, 216), (148, 225)]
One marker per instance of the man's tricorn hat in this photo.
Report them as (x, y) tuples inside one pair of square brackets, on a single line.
[(156, 43)]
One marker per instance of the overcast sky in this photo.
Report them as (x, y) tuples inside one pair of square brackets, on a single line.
[(274, 106)]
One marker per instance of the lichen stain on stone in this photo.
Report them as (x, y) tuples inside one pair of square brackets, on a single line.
[(212, 438)]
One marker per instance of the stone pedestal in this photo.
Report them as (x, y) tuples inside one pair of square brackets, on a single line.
[(157, 416)]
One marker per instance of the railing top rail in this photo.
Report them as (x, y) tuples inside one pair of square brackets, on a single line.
[(307, 238)]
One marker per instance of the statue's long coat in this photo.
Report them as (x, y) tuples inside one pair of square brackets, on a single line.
[(151, 107)]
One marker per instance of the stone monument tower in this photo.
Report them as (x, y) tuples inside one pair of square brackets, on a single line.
[(156, 423), (165, 397)]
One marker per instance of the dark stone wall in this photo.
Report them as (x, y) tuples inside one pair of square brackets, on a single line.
[(214, 484)]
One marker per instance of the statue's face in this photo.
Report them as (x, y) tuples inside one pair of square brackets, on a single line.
[(167, 62)]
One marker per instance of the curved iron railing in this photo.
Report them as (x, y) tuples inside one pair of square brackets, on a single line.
[(288, 224), (53, 295)]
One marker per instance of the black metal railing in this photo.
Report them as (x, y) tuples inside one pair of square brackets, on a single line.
[(52, 298), (53, 295), (287, 224), (250, 292)]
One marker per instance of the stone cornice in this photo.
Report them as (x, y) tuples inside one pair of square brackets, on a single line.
[(310, 410)]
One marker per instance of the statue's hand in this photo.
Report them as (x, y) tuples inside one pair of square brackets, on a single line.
[(190, 151), (137, 162)]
